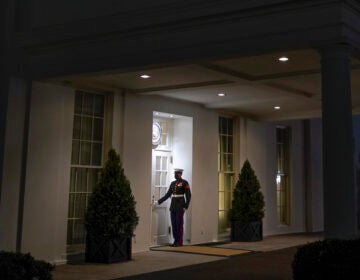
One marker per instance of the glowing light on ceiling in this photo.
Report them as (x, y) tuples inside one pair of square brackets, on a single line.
[(283, 59)]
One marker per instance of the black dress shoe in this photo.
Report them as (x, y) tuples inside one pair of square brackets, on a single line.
[(174, 245)]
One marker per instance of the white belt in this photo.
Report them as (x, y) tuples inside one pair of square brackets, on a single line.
[(177, 195)]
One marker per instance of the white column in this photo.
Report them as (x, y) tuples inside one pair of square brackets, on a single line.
[(4, 78), (8, 192), (13, 169), (340, 217), (4, 92), (4, 84)]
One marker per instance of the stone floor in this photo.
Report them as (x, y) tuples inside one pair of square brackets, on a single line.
[(151, 261)]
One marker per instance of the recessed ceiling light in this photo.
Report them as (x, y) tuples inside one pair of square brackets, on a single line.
[(283, 59), (144, 76), (221, 94), (171, 116), (277, 107)]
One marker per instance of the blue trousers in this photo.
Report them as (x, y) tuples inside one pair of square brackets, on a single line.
[(177, 223)]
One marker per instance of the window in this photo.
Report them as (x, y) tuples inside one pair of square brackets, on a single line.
[(165, 137), (226, 170), (86, 159), (283, 176)]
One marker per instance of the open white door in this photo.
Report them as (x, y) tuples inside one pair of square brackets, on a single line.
[(172, 147), (160, 226)]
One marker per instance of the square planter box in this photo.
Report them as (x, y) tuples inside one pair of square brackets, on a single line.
[(246, 231), (107, 250)]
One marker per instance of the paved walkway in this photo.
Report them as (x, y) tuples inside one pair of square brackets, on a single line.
[(153, 261), (271, 265)]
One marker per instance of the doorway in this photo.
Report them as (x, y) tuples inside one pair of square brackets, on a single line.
[(172, 148)]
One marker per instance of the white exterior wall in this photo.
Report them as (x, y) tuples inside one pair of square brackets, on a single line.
[(49, 155), (259, 141), (137, 164), (48, 172), (182, 158), (117, 125), (316, 179)]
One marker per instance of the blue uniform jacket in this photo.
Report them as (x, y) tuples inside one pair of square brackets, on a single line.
[(179, 188)]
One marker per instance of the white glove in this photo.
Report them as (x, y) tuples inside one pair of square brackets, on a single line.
[(155, 203)]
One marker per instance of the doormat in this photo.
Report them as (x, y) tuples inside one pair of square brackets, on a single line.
[(202, 250)]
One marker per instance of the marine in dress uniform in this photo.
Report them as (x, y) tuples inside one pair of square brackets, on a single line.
[(180, 193)]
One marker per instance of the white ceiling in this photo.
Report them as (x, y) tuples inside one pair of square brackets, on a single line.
[(253, 85)]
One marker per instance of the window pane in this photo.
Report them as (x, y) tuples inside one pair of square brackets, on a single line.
[(70, 231), (86, 129), (221, 182), (93, 174), (222, 221), (163, 179), (164, 163), (75, 152), (230, 144), (72, 179), (164, 127), (85, 150), (163, 139), (223, 162), (78, 102), (228, 182), (77, 127), (98, 130), (79, 231), (227, 200), (98, 105), (81, 182), (157, 194), (223, 126), (221, 201), (230, 126), (157, 164), (157, 178), (229, 162), (71, 205), (223, 144), (88, 104), (80, 204), (96, 153), (163, 191)]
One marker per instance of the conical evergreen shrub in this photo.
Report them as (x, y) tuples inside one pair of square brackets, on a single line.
[(111, 208), (248, 201)]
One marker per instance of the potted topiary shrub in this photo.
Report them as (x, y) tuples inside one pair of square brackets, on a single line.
[(110, 218), (247, 207)]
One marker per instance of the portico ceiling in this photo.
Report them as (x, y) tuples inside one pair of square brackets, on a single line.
[(252, 85)]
